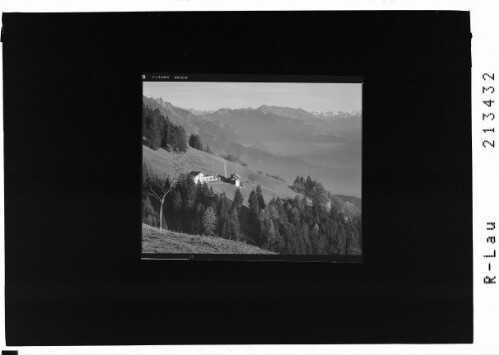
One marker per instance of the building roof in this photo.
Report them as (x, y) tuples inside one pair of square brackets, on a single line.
[(236, 176), (195, 173)]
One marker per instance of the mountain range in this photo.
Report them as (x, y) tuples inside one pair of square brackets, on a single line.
[(281, 140), (296, 113)]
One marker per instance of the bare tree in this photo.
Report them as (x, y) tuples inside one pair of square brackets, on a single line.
[(159, 188)]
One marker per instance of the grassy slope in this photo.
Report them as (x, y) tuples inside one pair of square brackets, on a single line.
[(169, 242), (161, 162)]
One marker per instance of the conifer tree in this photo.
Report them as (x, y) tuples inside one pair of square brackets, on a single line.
[(195, 142), (197, 222), (153, 122), (234, 228), (238, 199), (308, 185), (272, 238), (209, 221), (177, 201), (254, 217), (259, 195)]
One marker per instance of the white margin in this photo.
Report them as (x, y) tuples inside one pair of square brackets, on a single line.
[(485, 43)]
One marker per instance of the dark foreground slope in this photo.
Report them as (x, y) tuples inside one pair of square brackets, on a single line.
[(166, 242)]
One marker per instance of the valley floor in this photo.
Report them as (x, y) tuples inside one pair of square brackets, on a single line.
[(170, 242)]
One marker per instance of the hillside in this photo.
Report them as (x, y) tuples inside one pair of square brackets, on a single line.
[(357, 202), (195, 160), (304, 159), (162, 162), (169, 242), (217, 135), (280, 140)]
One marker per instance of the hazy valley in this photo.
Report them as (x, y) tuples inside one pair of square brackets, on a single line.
[(283, 141)]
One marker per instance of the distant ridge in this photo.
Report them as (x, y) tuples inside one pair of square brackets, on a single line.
[(289, 112)]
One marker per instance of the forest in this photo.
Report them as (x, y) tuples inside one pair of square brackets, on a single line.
[(159, 132), (286, 226)]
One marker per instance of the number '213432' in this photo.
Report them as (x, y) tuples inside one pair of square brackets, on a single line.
[(488, 90)]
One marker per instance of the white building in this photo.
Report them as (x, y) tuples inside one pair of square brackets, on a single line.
[(236, 180), (200, 178)]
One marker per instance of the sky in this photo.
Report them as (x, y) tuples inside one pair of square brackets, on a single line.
[(215, 95)]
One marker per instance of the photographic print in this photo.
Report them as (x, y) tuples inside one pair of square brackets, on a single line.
[(251, 168)]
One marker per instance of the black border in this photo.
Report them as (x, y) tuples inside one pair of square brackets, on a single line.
[(73, 275), (245, 78)]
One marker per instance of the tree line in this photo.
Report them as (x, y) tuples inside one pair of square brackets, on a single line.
[(310, 188), (196, 143), (159, 132), (285, 226), (296, 226)]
